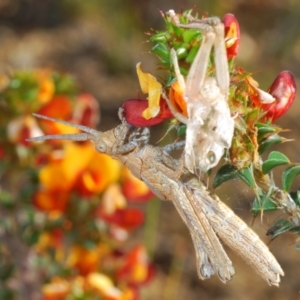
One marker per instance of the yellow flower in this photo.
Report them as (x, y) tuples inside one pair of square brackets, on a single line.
[(152, 87), (61, 174), (46, 86)]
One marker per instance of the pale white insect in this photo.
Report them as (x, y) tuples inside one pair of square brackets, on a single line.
[(209, 125)]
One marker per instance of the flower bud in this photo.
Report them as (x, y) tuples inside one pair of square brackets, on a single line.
[(283, 89)]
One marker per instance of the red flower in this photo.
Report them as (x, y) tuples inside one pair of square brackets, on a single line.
[(59, 107), (51, 200), (133, 109), (232, 35), (283, 89), (86, 110), (128, 218), (136, 269), (22, 128)]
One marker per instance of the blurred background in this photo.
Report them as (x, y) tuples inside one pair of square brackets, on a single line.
[(99, 42)]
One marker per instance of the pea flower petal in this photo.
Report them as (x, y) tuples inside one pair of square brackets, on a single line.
[(232, 35), (152, 87), (133, 110), (283, 89)]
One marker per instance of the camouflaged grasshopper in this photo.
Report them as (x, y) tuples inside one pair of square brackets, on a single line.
[(206, 217)]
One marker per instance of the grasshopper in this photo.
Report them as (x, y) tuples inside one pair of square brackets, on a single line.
[(207, 218)]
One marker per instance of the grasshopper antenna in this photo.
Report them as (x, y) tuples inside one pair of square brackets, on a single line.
[(88, 134)]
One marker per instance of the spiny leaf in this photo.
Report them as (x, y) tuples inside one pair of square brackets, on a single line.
[(229, 172), (246, 175), (189, 35), (270, 141), (161, 50), (262, 204), (225, 173), (275, 159), (263, 129), (289, 175), (162, 36)]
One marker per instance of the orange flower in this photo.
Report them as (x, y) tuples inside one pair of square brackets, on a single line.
[(177, 100), (46, 86), (60, 108), (86, 260), (136, 269), (98, 174), (62, 172), (51, 200), (76, 166)]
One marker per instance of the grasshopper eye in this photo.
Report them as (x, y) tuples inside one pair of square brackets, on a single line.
[(101, 147), (211, 157)]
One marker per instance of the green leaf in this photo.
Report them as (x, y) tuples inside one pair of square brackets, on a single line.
[(247, 176), (263, 129), (270, 141), (189, 35), (296, 197), (289, 175), (162, 36), (225, 173), (161, 50), (229, 172), (178, 31), (275, 159), (192, 54), (262, 204)]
